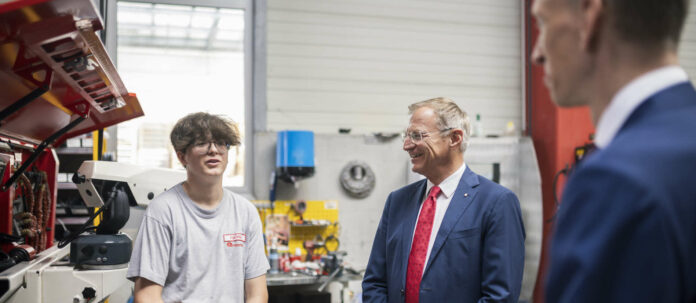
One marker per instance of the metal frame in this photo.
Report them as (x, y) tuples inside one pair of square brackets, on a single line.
[(189, 40), (259, 66), (254, 68), (526, 70)]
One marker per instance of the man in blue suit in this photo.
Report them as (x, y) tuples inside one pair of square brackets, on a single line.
[(454, 237), (626, 228)]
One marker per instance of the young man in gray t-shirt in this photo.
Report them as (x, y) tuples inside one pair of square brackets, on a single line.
[(199, 242)]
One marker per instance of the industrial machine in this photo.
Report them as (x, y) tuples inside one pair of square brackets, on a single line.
[(114, 187), (141, 184), (56, 82)]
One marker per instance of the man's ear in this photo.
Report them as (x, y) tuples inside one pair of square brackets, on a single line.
[(180, 156), (592, 14), (456, 137)]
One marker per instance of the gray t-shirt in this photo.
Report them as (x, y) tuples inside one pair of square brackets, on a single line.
[(199, 255)]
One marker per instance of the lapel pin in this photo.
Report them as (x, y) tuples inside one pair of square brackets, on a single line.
[(466, 194)]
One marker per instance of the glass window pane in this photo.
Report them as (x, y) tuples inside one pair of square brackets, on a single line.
[(231, 22), (176, 67)]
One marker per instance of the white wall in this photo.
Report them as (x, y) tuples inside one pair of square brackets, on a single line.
[(358, 63), (687, 48)]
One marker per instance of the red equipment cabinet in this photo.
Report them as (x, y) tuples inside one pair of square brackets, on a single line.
[(56, 82), (43, 197)]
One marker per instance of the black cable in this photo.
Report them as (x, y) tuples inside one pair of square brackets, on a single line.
[(100, 144), (563, 171), (86, 226), (331, 238), (7, 238), (556, 201)]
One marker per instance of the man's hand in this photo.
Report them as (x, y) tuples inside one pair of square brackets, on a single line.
[(147, 291), (255, 290)]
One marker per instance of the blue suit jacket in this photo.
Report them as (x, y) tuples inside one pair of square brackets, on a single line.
[(626, 229), (478, 254)]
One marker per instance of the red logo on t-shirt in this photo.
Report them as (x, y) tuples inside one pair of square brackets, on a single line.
[(233, 240)]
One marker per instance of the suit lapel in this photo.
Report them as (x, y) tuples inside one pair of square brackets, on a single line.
[(461, 199), (409, 225)]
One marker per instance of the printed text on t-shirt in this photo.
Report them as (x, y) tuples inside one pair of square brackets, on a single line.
[(234, 240)]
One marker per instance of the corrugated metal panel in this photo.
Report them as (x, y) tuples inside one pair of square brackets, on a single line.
[(687, 48), (358, 64)]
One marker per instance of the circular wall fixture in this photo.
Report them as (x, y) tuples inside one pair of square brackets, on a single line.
[(357, 179)]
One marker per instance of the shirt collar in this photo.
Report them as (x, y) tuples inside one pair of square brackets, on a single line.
[(449, 185), (633, 95)]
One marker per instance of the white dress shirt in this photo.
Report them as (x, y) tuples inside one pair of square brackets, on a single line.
[(633, 95), (447, 188)]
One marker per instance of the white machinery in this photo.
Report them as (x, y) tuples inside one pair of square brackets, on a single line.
[(94, 265), (143, 183), (50, 278)]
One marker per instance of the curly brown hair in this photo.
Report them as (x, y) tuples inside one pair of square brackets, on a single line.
[(202, 127)]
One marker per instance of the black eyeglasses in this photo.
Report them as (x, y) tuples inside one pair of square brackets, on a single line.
[(417, 136), (203, 148)]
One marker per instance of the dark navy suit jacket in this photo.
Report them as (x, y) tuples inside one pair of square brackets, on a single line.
[(478, 254), (626, 228)]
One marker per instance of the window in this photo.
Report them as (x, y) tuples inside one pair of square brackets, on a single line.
[(183, 58)]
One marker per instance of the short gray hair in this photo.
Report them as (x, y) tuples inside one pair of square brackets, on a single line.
[(449, 115)]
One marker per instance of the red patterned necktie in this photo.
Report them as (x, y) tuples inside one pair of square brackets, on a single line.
[(419, 247)]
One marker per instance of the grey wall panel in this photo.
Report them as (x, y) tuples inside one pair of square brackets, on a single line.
[(358, 64)]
